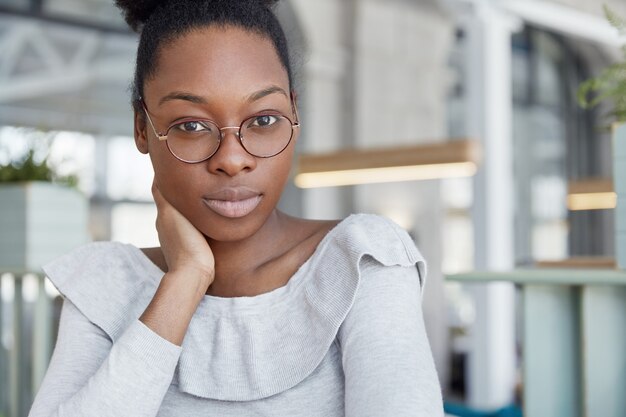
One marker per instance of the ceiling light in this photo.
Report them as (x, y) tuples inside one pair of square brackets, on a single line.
[(369, 166), (591, 194)]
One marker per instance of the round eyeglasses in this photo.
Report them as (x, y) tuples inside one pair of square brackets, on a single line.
[(196, 140)]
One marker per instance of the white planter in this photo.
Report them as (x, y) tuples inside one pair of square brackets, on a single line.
[(619, 181), (38, 222)]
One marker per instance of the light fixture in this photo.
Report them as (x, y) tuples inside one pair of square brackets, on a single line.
[(407, 163), (591, 194)]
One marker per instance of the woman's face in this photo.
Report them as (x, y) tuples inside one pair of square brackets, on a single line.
[(224, 74)]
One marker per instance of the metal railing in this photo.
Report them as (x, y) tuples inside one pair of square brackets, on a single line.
[(573, 336), (28, 323)]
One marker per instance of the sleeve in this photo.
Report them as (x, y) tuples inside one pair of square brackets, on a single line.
[(387, 361), (88, 375)]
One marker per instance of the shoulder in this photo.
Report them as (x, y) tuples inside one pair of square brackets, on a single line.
[(362, 253), (375, 237), (388, 256), (390, 276), (374, 264), (92, 257), (107, 281)]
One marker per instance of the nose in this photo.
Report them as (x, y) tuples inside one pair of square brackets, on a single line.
[(231, 158)]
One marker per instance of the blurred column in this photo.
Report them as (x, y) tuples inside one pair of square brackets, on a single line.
[(100, 211), (492, 360), (42, 334), (4, 359), (325, 78), (17, 364)]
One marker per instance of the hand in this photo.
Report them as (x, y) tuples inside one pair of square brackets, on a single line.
[(183, 246)]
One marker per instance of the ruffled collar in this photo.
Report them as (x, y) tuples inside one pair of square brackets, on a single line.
[(248, 348)]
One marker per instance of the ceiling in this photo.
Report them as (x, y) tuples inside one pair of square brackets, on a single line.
[(62, 76)]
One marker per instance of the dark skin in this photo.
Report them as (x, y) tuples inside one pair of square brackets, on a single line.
[(226, 74)]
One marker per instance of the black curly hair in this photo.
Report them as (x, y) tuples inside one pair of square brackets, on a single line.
[(162, 21)]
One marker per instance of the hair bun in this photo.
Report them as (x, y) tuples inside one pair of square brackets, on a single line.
[(137, 12)]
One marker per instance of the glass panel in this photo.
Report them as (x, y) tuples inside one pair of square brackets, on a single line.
[(458, 241), (72, 153), (549, 240), (548, 83), (520, 68), (129, 172), (539, 136), (456, 92), (134, 223)]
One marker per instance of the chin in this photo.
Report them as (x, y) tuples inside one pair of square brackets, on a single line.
[(224, 229)]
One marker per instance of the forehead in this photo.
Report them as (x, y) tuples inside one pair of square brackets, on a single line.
[(217, 61)]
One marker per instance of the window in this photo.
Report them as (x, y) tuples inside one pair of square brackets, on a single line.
[(555, 142)]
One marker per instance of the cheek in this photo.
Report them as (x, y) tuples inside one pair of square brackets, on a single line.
[(161, 165), (278, 173), (159, 154), (175, 179)]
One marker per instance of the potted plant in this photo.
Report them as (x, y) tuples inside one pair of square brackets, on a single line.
[(611, 85), (42, 214)]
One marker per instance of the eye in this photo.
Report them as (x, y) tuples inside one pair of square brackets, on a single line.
[(263, 121), (192, 126), (189, 127)]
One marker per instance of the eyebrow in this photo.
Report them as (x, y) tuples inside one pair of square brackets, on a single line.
[(183, 95), (266, 92), (193, 98)]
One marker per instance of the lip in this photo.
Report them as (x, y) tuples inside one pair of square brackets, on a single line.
[(233, 202)]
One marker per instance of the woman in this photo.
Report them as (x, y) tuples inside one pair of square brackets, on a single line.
[(243, 310)]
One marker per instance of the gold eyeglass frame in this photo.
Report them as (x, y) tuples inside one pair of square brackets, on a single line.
[(163, 136)]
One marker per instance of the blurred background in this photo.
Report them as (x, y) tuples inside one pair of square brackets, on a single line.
[(372, 75)]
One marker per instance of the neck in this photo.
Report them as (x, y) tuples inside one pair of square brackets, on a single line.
[(234, 259)]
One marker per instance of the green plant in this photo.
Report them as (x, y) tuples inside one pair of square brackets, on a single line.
[(611, 83), (31, 166)]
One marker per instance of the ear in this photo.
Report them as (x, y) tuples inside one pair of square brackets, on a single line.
[(141, 134)]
